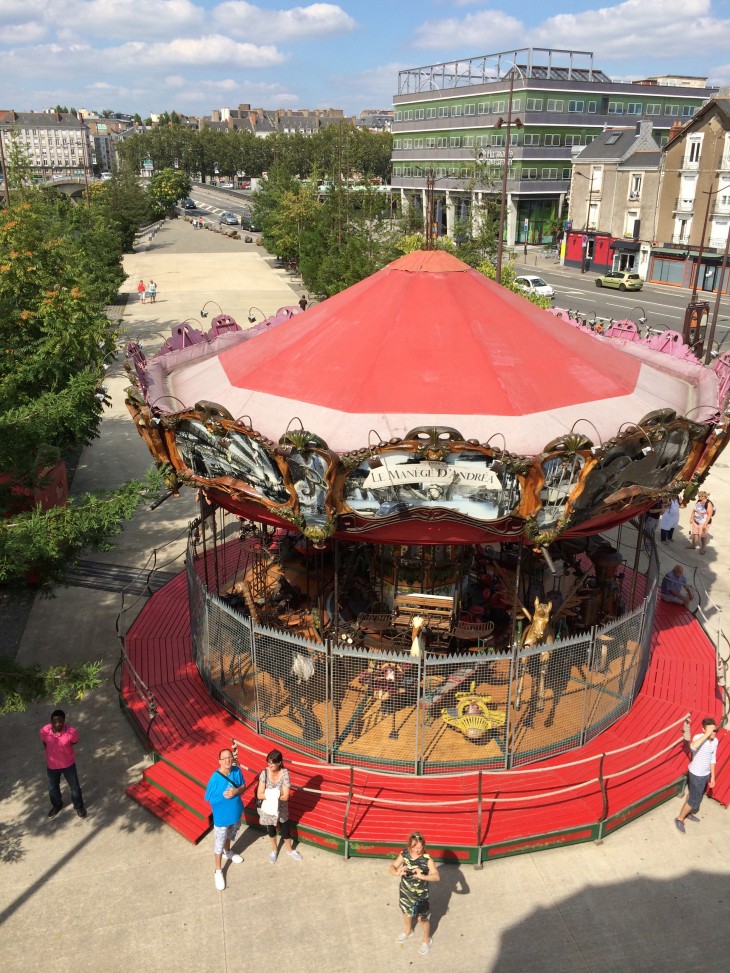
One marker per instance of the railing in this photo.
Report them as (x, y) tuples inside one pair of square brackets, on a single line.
[(477, 800)]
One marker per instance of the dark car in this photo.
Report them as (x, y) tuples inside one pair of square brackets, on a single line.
[(230, 219), (187, 203), (248, 223)]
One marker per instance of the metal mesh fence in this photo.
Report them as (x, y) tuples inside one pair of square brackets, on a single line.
[(389, 710), (291, 688), (376, 708), (231, 663), (548, 699), (464, 710), (197, 596), (615, 663)]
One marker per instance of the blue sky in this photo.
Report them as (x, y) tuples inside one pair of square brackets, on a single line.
[(148, 56)]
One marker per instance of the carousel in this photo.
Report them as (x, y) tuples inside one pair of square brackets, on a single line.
[(421, 543)]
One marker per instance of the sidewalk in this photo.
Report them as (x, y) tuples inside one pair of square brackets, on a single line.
[(119, 891)]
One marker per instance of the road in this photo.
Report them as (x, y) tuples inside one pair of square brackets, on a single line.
[(663, 307), (211, 202)]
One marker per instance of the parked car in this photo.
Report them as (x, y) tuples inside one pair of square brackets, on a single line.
[(244, 184), (532, 284), (230, 219), (624, 280), (248, 223), (187, 203)]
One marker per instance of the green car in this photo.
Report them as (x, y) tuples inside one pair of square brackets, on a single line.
[(625, 280)]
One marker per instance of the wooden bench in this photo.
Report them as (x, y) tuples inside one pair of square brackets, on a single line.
[(438, 610)]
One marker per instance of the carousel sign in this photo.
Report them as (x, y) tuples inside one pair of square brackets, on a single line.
[(430, 474)]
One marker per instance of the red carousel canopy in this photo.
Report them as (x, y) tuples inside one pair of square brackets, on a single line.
[(430, 341)]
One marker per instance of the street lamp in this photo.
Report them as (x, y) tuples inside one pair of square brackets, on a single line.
[(505, 167)]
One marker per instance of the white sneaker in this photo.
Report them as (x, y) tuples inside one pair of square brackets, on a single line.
[(295, 855), (404, 937), (232, 857), (220, 880), (425, 947), (272, 857)]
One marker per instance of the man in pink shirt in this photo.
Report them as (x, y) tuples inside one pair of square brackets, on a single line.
[(59, 741)]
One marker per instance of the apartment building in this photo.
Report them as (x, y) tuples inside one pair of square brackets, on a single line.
[(57, 144), (451, 119), (614, 199), (694, 203)]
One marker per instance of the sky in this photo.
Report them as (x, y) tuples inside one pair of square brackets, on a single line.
[(150, 56)]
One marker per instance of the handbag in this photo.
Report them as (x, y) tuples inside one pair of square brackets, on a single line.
[(270, 803)]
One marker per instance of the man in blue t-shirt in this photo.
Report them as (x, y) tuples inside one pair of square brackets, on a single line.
[(223, 793)]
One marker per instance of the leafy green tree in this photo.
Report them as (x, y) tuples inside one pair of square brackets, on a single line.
[(165, 189), (58, 266), (22, 685)]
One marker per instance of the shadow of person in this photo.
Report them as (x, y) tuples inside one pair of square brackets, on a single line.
[(452, 882)]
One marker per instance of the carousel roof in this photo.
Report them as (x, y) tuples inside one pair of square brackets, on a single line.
[(430, 341)]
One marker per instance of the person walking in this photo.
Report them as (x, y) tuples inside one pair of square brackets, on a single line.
[(303, 302), (669, 520), (152, 290), (273, 791), (701, 773), (415, 868), (223, 793), (700, 520), (59, 741), (141, 291)]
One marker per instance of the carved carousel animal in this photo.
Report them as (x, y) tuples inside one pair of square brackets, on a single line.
[(293, 670), (391, 683), (548, 670), (473, 716), (418, 637)]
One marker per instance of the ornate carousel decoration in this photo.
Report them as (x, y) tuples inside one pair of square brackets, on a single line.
[(429, 435)]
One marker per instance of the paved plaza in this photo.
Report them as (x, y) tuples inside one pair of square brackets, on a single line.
[(120, 891)]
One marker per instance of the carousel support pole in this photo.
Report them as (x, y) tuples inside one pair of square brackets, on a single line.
[(515, 599), (637, 556), (215, 556), (203, 537)]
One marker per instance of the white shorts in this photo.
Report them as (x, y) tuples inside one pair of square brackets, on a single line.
[(224, 833)]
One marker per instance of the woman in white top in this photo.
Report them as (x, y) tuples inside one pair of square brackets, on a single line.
[(273, 790), (669, 520), (701, 518)]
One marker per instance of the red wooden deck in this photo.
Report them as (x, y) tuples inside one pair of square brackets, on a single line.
[(362, 812)]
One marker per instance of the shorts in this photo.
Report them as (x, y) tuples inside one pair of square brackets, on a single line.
[(697, 788), (416, 908), (223, 833)]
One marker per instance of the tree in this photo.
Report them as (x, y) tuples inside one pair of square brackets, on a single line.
[(165, 189), (22, 685), (59, 265)]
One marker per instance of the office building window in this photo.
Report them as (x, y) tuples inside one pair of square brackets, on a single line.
[(549, 173), (430, 113), (555, 104), (430, 143), (615, 108), (653, 109), (498, 140), (408, 116), (688, 111), (455, 142), (396, 143), (532, 139), (633, 108), (468, 141), (576, 106), (407, 143), (483, 108), (420, 113), (418, 143), (672, 110), (573, 139), (497, 106), (516, 103), (442, 142), (470, 109), (592, 107), (566, 174), (529, 173), (457, 110), (553, 139), (399, 116), (443, 111), (534, 104)]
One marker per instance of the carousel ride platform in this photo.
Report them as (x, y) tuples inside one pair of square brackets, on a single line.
[(472, 816)]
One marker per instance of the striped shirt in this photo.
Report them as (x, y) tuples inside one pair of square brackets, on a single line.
[(703, 756)]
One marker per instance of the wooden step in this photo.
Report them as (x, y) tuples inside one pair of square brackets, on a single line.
[(163, 807), (180, 788)]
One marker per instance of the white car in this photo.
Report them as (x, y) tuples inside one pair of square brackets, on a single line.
[(532, 284)]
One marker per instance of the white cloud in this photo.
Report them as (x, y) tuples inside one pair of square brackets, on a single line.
[(141, 19), (30, 32), (242, 19), (376, 85), (486, 30), (649, 29)]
